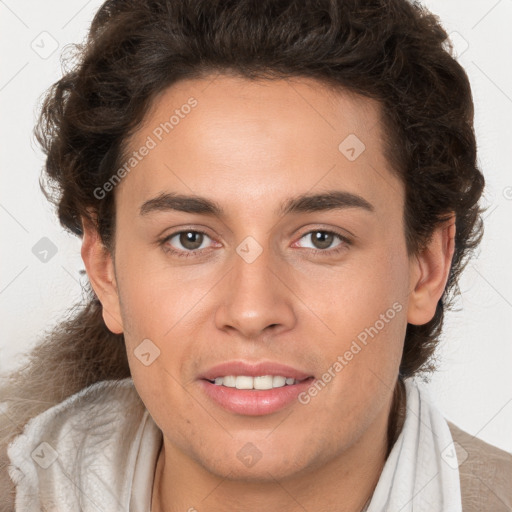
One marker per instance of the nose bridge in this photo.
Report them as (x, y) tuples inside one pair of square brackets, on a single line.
[(254, 297)]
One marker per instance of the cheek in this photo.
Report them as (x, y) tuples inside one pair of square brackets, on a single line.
[(353, 295), (153, 294), (159, 308), (363, 309)]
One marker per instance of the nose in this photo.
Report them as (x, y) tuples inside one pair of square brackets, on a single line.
[(255, 298)]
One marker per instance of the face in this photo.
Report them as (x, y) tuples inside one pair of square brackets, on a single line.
[(320, 285)]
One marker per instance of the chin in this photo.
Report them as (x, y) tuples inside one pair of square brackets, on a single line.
[(259, 461)]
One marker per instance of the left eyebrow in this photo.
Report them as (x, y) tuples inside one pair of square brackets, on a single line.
[(304, 203), (330, 200)]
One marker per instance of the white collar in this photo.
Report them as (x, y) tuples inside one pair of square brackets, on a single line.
[(95, 451), (421, 473)]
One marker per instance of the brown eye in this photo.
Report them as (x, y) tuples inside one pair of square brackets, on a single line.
[(322, 239), (191, 239)]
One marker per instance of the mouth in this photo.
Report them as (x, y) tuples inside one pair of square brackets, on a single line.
[(250, 401), (254, 389)]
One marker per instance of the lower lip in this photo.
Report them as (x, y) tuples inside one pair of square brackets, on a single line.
[(251, 402)]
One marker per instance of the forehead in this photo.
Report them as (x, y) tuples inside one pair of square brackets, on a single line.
[(243, 141)]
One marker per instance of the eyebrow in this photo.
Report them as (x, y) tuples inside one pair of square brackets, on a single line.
[(304, 203)]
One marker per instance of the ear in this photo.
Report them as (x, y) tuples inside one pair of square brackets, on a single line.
[(100, 270), (429, 273)]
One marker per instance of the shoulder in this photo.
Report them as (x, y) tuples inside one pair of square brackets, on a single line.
[(485, 473)]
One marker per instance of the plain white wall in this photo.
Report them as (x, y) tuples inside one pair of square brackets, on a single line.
[(473, 386)]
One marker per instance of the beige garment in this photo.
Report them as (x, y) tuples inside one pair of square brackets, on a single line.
[(485, 474)]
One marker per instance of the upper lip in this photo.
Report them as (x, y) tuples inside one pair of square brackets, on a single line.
[(253, 370)]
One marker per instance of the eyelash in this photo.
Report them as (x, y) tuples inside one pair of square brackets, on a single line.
[(187, 254)]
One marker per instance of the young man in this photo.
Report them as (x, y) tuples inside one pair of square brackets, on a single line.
[(274, 200)]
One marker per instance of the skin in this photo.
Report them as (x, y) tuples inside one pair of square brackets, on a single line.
[(250, 146)]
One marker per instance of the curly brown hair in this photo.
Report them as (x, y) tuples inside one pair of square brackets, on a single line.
[(390, 50), (393, 51)]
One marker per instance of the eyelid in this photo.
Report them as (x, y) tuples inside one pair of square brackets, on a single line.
[(341, 232)]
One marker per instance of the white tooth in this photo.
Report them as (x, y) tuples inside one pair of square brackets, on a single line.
[(261, 382), (264, 382), (244, 382), (278, 381), (229, 381)]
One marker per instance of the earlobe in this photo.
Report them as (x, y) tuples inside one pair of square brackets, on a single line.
[(430, 271), (100, 270)]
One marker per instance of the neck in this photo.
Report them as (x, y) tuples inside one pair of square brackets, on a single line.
[(344, 483)]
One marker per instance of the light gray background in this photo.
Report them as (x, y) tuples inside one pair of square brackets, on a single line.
[(473, 386)]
